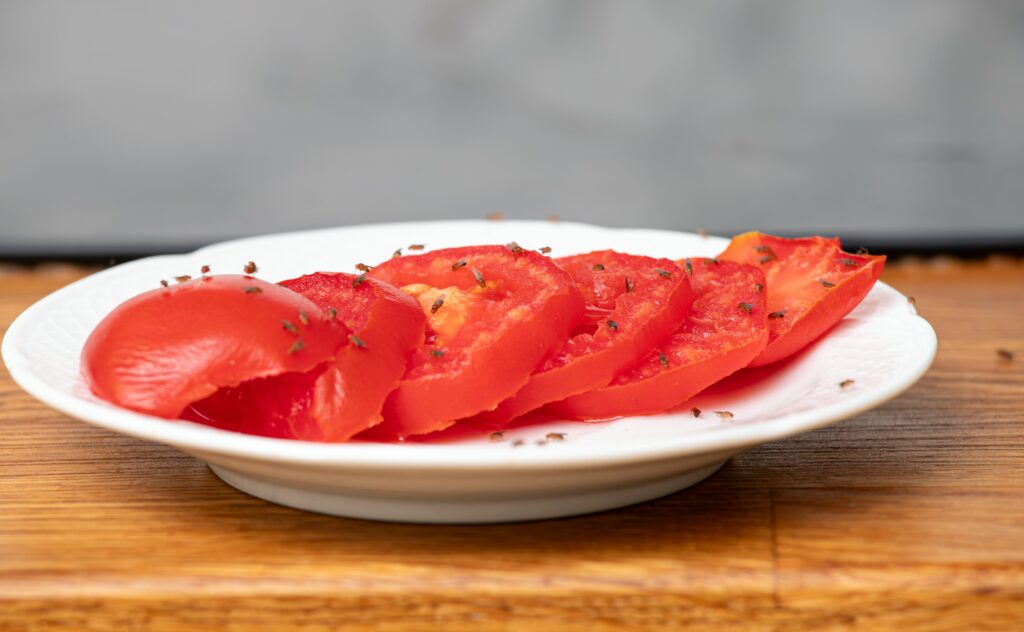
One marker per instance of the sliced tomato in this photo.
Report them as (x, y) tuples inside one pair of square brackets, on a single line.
[(345, 396), (493, 313), (812, 284), (725, 329), (387, 325), (633, 303), (163, 349)]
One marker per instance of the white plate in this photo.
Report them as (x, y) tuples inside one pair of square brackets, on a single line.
[(882, 345)]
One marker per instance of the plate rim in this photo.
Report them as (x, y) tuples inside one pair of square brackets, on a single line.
[(194, 437)]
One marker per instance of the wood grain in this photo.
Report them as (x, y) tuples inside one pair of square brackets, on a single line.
[(910, 516)]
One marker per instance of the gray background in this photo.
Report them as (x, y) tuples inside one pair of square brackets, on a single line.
[(158, 125)]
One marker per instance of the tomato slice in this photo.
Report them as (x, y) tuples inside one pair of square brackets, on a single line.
[(726, 328), (812, 285), (388, 325), (493, 313), (345, 396), (633, 303), (163, 349)]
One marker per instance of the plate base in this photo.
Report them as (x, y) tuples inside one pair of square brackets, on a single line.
[(458, 511)]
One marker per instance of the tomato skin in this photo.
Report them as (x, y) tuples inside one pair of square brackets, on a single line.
[(725, 329), (795, 270), (163, 349), (350, 394), (484, 349), (656, 301)]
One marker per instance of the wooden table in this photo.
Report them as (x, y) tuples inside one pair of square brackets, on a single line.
[(909, 516)]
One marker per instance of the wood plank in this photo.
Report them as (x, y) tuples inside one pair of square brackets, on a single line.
[(928, 559)]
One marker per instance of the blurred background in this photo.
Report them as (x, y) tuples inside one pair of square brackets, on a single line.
[(131, 127)]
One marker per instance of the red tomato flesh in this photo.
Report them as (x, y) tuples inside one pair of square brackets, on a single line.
[(279, 406), (493, 313), (633, 303), (725, 329), (812, 284), (163, 349)]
